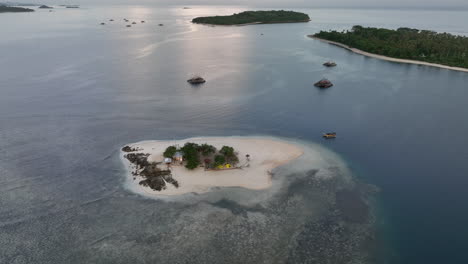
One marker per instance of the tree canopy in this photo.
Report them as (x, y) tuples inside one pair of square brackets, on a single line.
[(170, 152), (405, 43), (6, 9), (246, 17)]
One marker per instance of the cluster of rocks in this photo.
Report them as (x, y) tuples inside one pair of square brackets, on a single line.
[(153, 176)]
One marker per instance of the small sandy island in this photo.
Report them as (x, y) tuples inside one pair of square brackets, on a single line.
[(257, 157), (381, 57)]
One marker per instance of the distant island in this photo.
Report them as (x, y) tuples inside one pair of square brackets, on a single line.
[(254, 17), (404, 45), (45, 7), (12, 9)]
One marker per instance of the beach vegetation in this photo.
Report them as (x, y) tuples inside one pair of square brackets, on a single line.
[(405, 43), (207, 149), (170, 152), (227, 151), (194, 155), (219, 160)]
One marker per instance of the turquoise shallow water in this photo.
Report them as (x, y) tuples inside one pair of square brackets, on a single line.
[(72, 92)]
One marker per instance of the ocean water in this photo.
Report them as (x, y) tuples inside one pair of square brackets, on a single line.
[(72, 92)]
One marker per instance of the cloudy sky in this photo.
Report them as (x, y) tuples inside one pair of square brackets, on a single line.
[(276, 3)]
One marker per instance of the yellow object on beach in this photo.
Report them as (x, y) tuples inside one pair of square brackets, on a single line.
[(228, 166)]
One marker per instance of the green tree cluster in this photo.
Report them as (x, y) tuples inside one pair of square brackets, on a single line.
[(219, 160), (193, 152), (14, 9), (170, 152), (190, 151), (280, 16), (206, 149), (405, 43)]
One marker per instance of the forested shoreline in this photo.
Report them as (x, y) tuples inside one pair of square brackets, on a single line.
[(405, 43), (13, 9), (248, 17)]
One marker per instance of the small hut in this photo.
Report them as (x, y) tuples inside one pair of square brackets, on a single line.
[(196, 80), (167, 161), (178, 156), (324, 83)]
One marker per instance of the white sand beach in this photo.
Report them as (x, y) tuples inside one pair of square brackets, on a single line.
[(265, 155), (381, 57)]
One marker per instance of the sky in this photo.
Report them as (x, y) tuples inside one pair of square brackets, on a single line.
[(275, 3)]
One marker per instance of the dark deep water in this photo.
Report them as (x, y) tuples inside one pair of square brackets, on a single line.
[(72, 92)]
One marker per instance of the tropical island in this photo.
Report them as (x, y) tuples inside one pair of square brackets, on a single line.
[(13, 9), (254, 17), (199, 164), (404, 45)]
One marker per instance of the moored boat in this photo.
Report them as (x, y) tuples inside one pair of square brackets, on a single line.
[(329, 135), (329, 64)]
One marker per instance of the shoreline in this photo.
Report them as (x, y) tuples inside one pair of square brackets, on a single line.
[(266, 155), (251, 23), (382, 57)]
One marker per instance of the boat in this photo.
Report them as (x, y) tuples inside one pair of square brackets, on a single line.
[(103, 23), (324, 83), (133, 23), (129, 25), (111, 20), (329, 64), (196, 80), (161, 25), (142, 21), (329, 135)]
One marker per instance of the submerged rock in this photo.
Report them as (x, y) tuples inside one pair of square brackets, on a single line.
[(351, 205)]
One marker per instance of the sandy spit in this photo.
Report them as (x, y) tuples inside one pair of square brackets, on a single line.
[(265, 155)]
